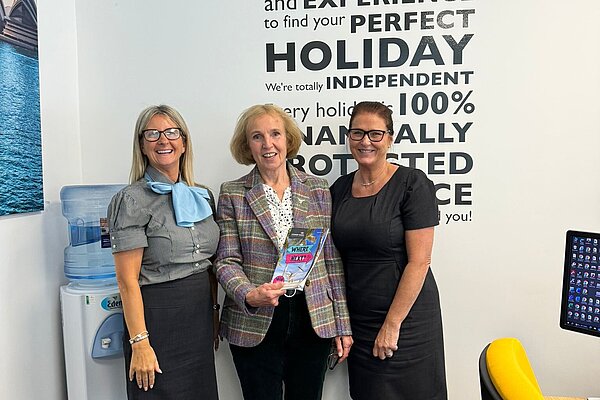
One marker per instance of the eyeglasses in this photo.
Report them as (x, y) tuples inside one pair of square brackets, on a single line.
[(375, 135), (152, 135), (332, 359)]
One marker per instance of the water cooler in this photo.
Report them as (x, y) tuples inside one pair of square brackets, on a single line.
[(92, 312)]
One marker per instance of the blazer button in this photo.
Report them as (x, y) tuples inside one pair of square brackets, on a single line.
[(307, 282)]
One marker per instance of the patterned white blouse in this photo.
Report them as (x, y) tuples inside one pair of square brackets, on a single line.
[(281, 212)]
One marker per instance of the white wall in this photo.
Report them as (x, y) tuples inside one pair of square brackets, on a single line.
[(499, 275), (540, 132)]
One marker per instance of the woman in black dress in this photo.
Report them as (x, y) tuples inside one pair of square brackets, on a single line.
[(383, 225)]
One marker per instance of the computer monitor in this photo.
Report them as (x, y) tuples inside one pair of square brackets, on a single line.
[(580, 305)]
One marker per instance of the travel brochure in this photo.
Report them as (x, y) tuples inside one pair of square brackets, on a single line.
[(298, 256)]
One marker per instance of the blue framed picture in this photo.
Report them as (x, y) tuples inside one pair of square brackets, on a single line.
[(21, 180)]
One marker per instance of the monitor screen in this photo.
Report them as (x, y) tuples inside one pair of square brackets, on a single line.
[(580, 305)]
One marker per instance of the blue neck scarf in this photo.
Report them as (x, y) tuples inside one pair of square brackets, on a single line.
[(189, 203)]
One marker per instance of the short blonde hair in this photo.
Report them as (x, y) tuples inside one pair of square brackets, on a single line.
[(139, 162), (240, 150)]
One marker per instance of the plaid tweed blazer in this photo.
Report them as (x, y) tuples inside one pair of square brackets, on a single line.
[(248, 252)]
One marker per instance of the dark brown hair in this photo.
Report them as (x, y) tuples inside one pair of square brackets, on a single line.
[(374, 107)]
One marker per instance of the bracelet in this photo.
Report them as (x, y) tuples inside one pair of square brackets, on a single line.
[(139, 337), (216, 307)]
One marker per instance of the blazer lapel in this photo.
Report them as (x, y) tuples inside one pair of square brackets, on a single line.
[(300, 198), (258, 203)]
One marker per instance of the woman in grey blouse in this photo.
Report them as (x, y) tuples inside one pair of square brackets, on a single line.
[(163, 235)]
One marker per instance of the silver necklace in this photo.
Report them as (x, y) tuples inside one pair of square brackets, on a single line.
[(366, 184)]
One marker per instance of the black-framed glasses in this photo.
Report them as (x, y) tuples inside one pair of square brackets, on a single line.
[(374, 135), (152, 135), (333, 359)]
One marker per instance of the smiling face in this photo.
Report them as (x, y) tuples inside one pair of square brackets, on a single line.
[(365, 152), (164, 154), (267, 141)]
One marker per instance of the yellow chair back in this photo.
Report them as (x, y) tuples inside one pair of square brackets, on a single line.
[(510, 371)]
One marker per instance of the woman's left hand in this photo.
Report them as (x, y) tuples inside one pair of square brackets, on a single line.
[(387, 341), (419, 243), (343, 345)]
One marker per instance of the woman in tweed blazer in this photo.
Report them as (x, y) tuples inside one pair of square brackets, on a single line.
[(276, 339)]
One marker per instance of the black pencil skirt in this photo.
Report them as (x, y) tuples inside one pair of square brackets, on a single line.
[(179, 319)]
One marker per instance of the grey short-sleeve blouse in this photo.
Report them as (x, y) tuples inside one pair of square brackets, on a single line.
[(138, 217)]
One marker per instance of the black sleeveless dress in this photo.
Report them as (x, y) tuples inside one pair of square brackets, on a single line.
[(369, 234)]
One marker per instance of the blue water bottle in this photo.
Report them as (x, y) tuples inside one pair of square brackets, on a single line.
[(88, 258)]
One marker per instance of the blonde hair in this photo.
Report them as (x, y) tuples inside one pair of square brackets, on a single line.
[(139, 161), (240, 150)]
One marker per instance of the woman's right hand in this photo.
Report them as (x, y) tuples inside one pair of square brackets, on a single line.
[(265, 295), (144, 365)]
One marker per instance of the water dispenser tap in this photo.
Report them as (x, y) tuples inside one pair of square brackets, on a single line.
[(105, 342)]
